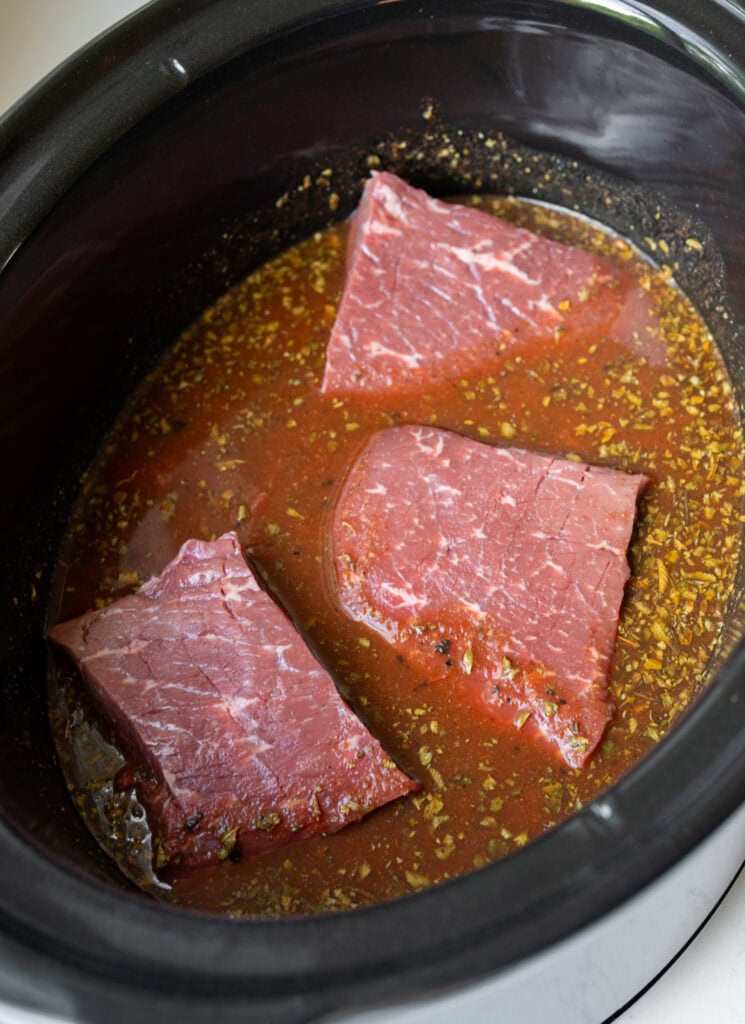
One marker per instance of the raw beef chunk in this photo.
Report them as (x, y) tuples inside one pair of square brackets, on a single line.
[(503, 570), (245, 742), (435, 291)]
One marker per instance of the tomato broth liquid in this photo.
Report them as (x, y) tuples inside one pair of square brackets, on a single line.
[(231, 432)]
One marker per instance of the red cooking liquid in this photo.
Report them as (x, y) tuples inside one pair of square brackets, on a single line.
[(231, 431)]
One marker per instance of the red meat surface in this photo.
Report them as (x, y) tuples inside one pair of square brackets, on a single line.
[(501, 570), (245, 742), (436, 290)]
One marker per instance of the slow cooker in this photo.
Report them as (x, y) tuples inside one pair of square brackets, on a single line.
[(138, 182)]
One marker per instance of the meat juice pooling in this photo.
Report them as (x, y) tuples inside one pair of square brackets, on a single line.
[(499, 802)]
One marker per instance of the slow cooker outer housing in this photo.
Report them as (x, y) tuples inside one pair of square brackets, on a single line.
[(136, 183)]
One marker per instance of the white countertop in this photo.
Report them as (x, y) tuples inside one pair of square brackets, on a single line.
[(706, 985)]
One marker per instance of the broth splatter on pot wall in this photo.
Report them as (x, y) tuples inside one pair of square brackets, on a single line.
[(231, 431)]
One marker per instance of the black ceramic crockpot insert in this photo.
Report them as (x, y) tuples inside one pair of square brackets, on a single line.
[(136, 185)]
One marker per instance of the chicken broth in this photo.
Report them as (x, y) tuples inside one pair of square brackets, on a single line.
[(232, 432)]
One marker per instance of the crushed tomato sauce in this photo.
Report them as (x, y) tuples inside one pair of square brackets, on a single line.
[(231, 431)]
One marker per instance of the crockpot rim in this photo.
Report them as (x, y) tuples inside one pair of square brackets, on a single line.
[(721, 703)]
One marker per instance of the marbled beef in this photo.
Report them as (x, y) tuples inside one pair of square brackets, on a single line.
[(245, 743), (502, 570), (435, 291)]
